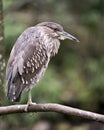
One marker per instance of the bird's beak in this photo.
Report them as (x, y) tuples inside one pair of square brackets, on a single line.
[(69, 36)]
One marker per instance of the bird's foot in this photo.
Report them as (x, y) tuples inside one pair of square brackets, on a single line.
[(29, 104)]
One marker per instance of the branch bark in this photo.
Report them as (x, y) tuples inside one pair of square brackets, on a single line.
[(50, 107)]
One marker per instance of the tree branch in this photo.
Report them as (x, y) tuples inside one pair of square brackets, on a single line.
[(50, 107)]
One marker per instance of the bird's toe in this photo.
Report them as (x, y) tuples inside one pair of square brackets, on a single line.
[(29, 104)]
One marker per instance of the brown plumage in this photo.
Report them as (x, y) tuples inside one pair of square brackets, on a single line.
[(30, 56)]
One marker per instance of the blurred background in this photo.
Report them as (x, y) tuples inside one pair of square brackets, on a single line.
[(75, 77)]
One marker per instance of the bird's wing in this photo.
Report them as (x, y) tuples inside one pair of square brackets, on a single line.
[(24, 64), (28, 37)]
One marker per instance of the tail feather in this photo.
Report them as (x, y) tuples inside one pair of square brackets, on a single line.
[(14, 88), (13, 95)]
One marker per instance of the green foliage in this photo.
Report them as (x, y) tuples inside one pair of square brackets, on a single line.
[(7, 3), (97, 78), (12, 34)]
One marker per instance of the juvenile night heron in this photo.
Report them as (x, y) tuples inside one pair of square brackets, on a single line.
[(30, 56)]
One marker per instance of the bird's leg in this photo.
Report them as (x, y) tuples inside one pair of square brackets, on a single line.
[(29, 102), (29, 97)]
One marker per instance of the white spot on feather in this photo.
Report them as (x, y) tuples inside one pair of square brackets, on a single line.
[(14, 93), (32, 69), (31, 79), (32, 63), (14, 97), (28, 64), (27, 71), (38, 56), (23, 81), (26, 82)]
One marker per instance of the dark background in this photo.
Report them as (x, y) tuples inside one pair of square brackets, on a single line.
[(75, 76)]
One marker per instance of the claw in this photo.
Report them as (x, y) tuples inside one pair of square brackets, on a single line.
[(28, 104), (26, 108)]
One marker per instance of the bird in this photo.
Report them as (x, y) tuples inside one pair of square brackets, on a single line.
[(30, 56)]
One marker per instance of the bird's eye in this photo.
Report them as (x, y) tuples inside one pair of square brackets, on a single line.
[(55, 29)]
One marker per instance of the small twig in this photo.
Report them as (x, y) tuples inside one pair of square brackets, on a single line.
[(50, 107)]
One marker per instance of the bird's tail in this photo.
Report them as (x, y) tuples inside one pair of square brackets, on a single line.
[(14, 89), (12, 95)]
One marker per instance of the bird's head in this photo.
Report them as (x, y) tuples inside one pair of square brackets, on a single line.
[(57, 31)]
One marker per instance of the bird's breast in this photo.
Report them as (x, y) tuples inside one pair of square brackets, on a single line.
[(50, 43)]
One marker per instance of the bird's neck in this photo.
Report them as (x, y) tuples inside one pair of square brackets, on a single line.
[(51, 44)]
